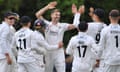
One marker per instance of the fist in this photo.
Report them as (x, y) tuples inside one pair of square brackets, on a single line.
[(60, 44)]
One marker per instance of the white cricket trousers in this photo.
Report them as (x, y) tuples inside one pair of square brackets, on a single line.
[(57, 59), (30, 67), (4, 67), (110, 68)]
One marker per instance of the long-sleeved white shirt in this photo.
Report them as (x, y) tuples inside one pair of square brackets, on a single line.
[(94, 28), (28, 43), (22, 40), (39, 43), (109, 44), (80, 47), (5, 39)]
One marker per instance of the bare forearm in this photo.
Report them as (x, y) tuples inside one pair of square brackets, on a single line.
[(41, 12), (51, 5)]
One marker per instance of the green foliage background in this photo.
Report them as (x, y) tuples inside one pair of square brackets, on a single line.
[(29, 7)]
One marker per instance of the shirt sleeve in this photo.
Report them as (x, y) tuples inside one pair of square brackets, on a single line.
[(65, 26), (76, 19), (46, 21), (102, 40), (4, 37), (42, 42), (100, 47), (94, 49), (69, 49), (14, 46), (35, 46)]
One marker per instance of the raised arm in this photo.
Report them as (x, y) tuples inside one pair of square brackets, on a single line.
[(51, 5), (91, 9), (77, 14)]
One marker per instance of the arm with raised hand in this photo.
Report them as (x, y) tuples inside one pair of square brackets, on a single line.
[(77, 14), (91, 9), (51, 5)]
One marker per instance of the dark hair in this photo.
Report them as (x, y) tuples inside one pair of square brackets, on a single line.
[(39, 23), (114, 13), (100, 13), (9, 13), (83, 26), (24, 20)]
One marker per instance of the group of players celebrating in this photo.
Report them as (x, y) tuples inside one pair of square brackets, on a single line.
[(94, 49)]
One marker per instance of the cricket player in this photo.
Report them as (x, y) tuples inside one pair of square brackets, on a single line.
[(53, 34), (94, 28), (7, 59), (109, 44), (26, 41), (40, 44), (80, 47)]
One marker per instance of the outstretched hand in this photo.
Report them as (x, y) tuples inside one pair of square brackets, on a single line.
[(91, 11), (52, 5), (81, 9)]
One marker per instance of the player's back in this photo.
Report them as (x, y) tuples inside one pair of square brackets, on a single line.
[(94, 29), (111, 39), (80, 47), (23, 41)]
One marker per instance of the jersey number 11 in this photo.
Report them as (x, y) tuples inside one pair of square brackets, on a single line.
[(22, 41)]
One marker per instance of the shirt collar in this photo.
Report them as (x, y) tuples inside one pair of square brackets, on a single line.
[(81, 33)]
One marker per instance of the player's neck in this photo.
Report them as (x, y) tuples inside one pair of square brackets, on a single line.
[(25, 27), (98, 20), (114, 22), (54, 22)]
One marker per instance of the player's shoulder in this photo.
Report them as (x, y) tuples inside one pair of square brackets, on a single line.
[(62, 24), (37, 35), (106, 28), (89, 37), (92, 23), (74, 38), (4, 26)]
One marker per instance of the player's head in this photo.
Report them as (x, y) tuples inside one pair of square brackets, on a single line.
[(17, 16), (9, 17), (98, 14), (25, 21), (114, 15), (39, 25), (83, 26), (55, 15)]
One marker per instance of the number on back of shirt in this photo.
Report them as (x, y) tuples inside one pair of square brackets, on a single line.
[(82, 50), (97, 38), (116, 38), (22, 44)]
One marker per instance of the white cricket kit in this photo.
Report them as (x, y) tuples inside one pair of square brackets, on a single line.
[(110, 48), (109, 43), (26, 59), (23, 42), (80, 47), (94, 29), (6, 35), (40, 45), (53, 35), (39, 41)]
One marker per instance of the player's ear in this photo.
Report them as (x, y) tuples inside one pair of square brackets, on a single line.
[(109, 17)]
